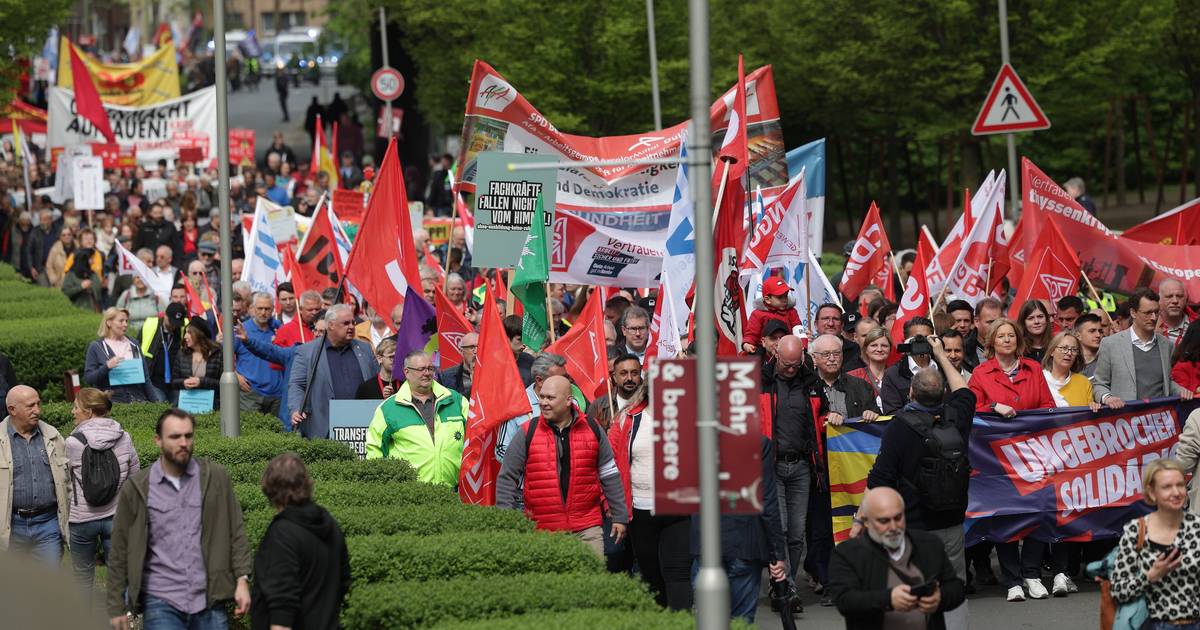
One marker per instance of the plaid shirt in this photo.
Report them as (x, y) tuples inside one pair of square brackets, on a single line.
[(1174, 334)]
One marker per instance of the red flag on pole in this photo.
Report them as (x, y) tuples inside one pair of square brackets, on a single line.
[(497, 396), (730, 234), (1052, 271), (915, 301), (317, 262), (384, 243), (451, 326), (87, 99), (870, 260), (583, 348), (1016, 255)]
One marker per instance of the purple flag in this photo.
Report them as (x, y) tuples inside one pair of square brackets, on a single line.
[(418, 322)]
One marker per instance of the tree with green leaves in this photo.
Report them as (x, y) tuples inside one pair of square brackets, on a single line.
[(23, 28)]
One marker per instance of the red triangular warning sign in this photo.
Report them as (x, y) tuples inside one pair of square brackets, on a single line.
[(1009, 107)]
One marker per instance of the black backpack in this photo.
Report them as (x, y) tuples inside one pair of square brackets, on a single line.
[(943, 471), (100, 471)]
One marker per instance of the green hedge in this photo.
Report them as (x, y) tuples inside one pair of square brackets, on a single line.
[(333, 494), (144, 416), (587, 618), (256, 447), (407, 519), (362, 471), (443, 556), (424, 604)]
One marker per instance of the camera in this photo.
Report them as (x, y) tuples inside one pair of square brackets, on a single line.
[(918, 345)]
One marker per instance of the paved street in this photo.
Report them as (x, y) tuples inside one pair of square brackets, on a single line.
[(988, 609), (260, 111)]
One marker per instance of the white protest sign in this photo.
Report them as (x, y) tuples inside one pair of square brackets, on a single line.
[(87, 182)]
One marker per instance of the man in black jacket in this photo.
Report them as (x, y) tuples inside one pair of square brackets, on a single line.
[(792, 391), (872, 577), (458, 378), (894, 391), (932, 420)]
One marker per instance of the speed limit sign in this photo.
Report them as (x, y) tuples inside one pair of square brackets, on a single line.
[(387, 84)]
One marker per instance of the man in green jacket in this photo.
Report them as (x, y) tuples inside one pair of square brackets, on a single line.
[(178, 541), (423, 423)]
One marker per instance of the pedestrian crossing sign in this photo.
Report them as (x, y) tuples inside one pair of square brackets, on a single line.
[(1009, 107)]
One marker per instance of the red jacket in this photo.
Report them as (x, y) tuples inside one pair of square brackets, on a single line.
[(543, 497), (1187, 374), (290, 333), (1027, 391), (752, 333), (620, 436)]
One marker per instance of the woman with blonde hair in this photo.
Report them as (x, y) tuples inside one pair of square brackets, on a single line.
[(1062, 366), (95, 499), (115, 362), (1158, 556), (876, 349)]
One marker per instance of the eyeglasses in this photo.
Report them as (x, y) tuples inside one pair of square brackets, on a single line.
[(472, 348), (1068, 350), (428, 368), (635, 329), (827, 355)]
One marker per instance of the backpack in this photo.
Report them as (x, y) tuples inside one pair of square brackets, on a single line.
[(100, 473), (943, 472)]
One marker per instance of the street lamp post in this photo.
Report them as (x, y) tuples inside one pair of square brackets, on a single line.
[(230, 418)]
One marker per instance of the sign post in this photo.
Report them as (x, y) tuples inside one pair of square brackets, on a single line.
[(387, 83)]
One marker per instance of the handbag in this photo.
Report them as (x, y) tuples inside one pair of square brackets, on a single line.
[(1130, 615)]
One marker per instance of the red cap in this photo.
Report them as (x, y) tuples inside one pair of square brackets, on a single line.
[(775, 286)]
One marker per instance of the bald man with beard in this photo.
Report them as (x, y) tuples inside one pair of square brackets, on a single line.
[(793, 390), (567, 466)]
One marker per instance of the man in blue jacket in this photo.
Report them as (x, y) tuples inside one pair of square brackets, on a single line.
[(260, 380)]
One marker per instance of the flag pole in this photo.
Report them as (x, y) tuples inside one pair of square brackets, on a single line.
[(1096, 299), (449, 245), (807, 298), (941, 294), (896, 270), (550, 317)]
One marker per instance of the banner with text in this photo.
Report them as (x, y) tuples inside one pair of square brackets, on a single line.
[(153, 80), (624, 204), (1053, 474), (161, 130)]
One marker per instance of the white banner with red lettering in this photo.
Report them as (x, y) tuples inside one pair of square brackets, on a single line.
[(621, 213), (161, 130)]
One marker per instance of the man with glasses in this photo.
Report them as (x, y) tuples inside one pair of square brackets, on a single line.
[(328, 368), (792, 393), (635, 327), (423, 423), (458, 378), (829, 322), (1136, 365)]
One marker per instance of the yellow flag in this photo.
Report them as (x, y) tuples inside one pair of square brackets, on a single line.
[(147, 82)]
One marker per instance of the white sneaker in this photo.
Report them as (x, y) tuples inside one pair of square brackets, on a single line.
[(1015, 594), (1036, 589), (1071, 588), (1060, 588)]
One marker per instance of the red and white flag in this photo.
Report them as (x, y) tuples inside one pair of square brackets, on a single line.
[(383, 249), (318, 261), (1016, 254), (870, 259), (940, 266), (968, 278), (915, 301), (1052, 272), (87, 98), (664, 342), (451, 327), (730, 231), (585, 351), (497, 396)]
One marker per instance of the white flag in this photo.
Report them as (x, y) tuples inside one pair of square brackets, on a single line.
[(679, 260), (159, 283), (262, 258)]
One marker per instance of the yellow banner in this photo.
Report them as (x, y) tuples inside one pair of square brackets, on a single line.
[(148, 82)]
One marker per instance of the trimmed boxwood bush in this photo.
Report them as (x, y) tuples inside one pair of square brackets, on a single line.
[(42, 349), (407, 519), (423, 604), (587, 618), (248, 449), (362, 471), (443, 556), (144, 416), (350, 494)]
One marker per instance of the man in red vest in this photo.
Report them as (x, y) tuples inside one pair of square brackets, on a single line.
[(568, 468)]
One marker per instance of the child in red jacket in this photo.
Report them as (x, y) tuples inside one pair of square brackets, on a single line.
[(775, 306)]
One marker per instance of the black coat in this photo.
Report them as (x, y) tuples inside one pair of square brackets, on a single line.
[(301, 571), (793, 428), (971, 345), (858, 572), (453, 379), (860, 396), (893, 392)]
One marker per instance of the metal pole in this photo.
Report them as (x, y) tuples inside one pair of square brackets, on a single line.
[(653, 65), (712, 586), (231, 423), (1009, 138), (383, 46)]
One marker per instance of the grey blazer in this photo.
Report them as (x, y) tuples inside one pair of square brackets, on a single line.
[(1114, 367), (317, 423)]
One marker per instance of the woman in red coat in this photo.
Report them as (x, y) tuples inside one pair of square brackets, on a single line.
[(1185, 364), (1004, 384)]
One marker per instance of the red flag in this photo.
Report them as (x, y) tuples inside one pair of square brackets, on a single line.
[(1180, 226), (195, 304), (314, 165), (1052, 272), (1000, 253), (87, 99), (497, 396), (431, 261), (292, 269), (583, 348), (318, 262), (384, 247), (451, 326), (1016, 255), (915, 301), (730, 232), (870, 260)]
